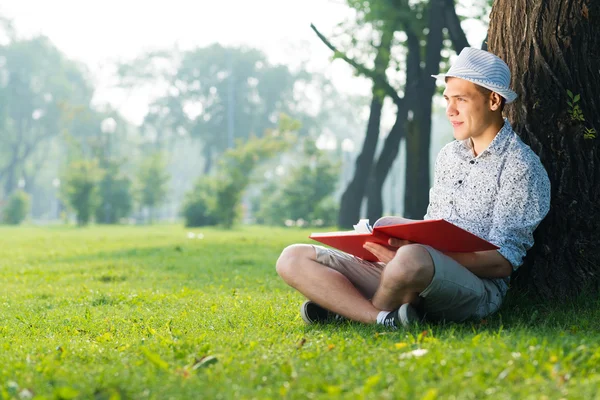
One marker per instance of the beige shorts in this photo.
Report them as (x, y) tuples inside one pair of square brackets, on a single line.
[(454, 294)]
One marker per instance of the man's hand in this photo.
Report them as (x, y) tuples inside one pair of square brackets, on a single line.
[(398, 242), (385, 254)]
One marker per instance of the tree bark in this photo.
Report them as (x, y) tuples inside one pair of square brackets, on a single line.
[(551, 47), (352, 197)]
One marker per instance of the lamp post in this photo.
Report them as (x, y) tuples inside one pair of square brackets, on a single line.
[(108, 127), (56, 206)]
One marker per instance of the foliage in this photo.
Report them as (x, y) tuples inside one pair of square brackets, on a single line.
[(236, 165), (199, 206), (304, 192), (216, 94), (148, 312), (17, 207), (152, 181), (217, 199), (589, 133), (115, 191), (41, 95), (574, 110), (80, 188)]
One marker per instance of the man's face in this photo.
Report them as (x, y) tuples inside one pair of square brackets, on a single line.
[(468, 109)]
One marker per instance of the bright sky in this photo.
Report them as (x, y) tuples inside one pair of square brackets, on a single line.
[(101, 32)]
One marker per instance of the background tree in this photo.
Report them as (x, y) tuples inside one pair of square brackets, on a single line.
[(418, 56), (218, 198), (152, 181), (115, 194), (216, 94), (41, 93), (303, 192), (555, 70), (80, 188)]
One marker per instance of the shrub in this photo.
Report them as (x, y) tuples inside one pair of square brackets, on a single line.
[(80, 190), (116, 200), (17, 207), (199, 206), (304, 193)]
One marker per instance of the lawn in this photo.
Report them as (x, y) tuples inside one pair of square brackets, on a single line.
[(149, 312)]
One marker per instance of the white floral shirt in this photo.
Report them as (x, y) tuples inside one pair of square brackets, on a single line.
[(501, 195)]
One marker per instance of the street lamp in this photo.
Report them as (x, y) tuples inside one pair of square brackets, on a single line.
[(56, 206), (108, 127)]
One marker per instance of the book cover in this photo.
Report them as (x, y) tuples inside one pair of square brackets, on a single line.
[(439, 234)]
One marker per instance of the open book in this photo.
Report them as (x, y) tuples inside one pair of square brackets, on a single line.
[(437, 233)]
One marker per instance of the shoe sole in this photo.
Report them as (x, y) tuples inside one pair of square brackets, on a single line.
[(304, 314)]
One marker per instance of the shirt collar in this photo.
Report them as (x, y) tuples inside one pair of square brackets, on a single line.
[(497, 145)]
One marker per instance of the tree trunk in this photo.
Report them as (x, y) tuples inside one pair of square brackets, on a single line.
[(392, 142), (384, 164), (551, 47), (418, 138), (352, 197), (417, 203)]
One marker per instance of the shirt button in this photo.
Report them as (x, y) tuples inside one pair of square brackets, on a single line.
[(459, 182), (451, 202), (472, 161)]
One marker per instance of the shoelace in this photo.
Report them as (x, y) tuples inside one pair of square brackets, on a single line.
[(338, 317), (390, 320)]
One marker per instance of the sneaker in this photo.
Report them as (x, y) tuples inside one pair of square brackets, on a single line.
[(312, 313), (405, 316)]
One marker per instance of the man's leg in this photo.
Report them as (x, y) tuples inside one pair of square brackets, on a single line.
[(447, 290), (408, 274), (299, 268)]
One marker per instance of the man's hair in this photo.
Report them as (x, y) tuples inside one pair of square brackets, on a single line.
[(486, 92)]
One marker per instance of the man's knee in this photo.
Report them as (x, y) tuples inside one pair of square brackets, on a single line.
[(291, 258), (412, 267)]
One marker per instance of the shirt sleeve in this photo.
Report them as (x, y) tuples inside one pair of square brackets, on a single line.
[(523, 202)]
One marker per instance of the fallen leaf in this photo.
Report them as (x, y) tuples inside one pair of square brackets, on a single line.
[(300, 343), (204, 362)]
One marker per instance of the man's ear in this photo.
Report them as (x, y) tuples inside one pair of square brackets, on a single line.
[(495, 101)]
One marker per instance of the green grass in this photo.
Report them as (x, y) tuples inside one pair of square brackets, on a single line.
[(136, 312)]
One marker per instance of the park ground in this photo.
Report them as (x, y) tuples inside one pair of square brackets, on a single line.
[(167, 312)]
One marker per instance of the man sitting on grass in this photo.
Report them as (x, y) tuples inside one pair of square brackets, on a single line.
[(487, 181)]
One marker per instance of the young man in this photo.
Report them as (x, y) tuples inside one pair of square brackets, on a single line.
[(487, 181)]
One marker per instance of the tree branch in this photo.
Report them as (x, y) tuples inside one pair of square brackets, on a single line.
[(369, 73), (457, 35)]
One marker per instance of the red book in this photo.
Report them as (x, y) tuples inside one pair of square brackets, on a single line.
[(437, 233)]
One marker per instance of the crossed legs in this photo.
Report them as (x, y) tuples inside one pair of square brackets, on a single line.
[(399, 282)]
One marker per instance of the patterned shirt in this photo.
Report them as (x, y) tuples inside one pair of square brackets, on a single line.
[(501, 195)]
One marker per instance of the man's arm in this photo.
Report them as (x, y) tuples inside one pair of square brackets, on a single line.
[(484, 264)]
